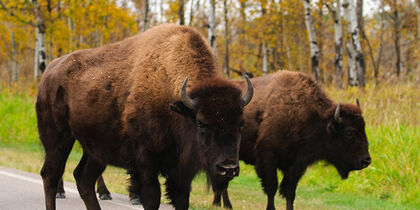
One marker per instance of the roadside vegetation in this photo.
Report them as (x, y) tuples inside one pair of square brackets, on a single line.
[(390, 182)]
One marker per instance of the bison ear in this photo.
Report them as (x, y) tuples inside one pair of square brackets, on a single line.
[(332, 127), (181, 109)]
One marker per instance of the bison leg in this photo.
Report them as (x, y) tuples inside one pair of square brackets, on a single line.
[(60, 190), (266, 168), (226, 201), (102, 190), (86, 173), (289, 183), (178, 189), (217, 198), (148, 187), (57, 149)]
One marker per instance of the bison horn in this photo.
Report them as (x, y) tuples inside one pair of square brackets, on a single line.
[(186, 100), (337, 117), (357, 102), (249, 93)]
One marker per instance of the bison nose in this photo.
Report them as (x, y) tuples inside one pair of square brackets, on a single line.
[(366, 161), (228, 170)]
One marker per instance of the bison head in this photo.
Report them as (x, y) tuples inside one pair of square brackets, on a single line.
[(348, 149), (216, 110)]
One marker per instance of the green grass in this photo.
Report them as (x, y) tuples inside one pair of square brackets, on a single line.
[(390, 182)]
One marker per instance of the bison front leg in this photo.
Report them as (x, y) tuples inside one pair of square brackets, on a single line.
[(220, 191), (217, 198), (289, 183), (178, 189), (147, 187), (226, 201), (86, 173), (266, 168)]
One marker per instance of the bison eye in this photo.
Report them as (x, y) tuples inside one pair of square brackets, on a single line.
[(201, 124), (242, 123), (349, 134)]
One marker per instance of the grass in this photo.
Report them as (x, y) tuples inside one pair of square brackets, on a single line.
[(390, 182)]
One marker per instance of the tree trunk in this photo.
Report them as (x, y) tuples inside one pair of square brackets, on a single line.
[(312, 40), (283, 34), (212, 26), (191, 13), (380, 49), (338, 43), (40, 54), (14, 74), (181, 12), (418, 19), (360, 58), (397, 47), (360, 22), (146, 14), (355, 56), (227, 39), (265, 58)]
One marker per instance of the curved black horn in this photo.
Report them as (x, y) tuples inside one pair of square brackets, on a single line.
[(337, 113), (249, 93), (186, 100), (357, 102)]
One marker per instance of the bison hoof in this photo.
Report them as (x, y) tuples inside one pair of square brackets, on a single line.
[(105, 196), (135, 201), (227, 206), (60, 195)]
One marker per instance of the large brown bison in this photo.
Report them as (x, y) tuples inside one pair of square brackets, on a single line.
[(290, 124), (123, 103)]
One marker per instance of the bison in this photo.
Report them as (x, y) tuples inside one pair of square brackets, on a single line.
[(289, 125), (122, 103)]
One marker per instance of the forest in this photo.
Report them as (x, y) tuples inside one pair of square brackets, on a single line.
[(340, 42)]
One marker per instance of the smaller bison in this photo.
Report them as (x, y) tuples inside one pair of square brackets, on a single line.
[(291, 124)]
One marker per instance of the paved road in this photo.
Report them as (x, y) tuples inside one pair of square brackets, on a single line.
[(21, 190)]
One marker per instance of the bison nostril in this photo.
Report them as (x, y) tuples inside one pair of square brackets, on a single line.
[(366, 161), (228, 170)]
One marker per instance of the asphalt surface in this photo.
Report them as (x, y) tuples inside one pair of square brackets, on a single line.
[(22, 190)]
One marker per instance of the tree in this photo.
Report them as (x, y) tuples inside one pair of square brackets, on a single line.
[(212, 25), (227, 38), (338, 42), (312, 40), (355, 55), (181, 12)]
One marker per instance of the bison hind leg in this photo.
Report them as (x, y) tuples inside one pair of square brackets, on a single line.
[(61, 194), (102, 190), (86, 173), (57, 146)]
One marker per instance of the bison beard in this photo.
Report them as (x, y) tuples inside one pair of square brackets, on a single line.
[(291, 124), (122, 103)]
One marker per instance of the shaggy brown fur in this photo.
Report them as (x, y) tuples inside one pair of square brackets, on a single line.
[(290, 125), (117, 100)]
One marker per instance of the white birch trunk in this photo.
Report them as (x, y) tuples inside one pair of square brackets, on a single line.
[(265, 58), (14, 75), (418, 18), (283, 34), (312, 39), (227, 38), (146, 14), (212, 26), (191, 13), (40, 53), (338, 42), (356, 61), (36, 58)]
